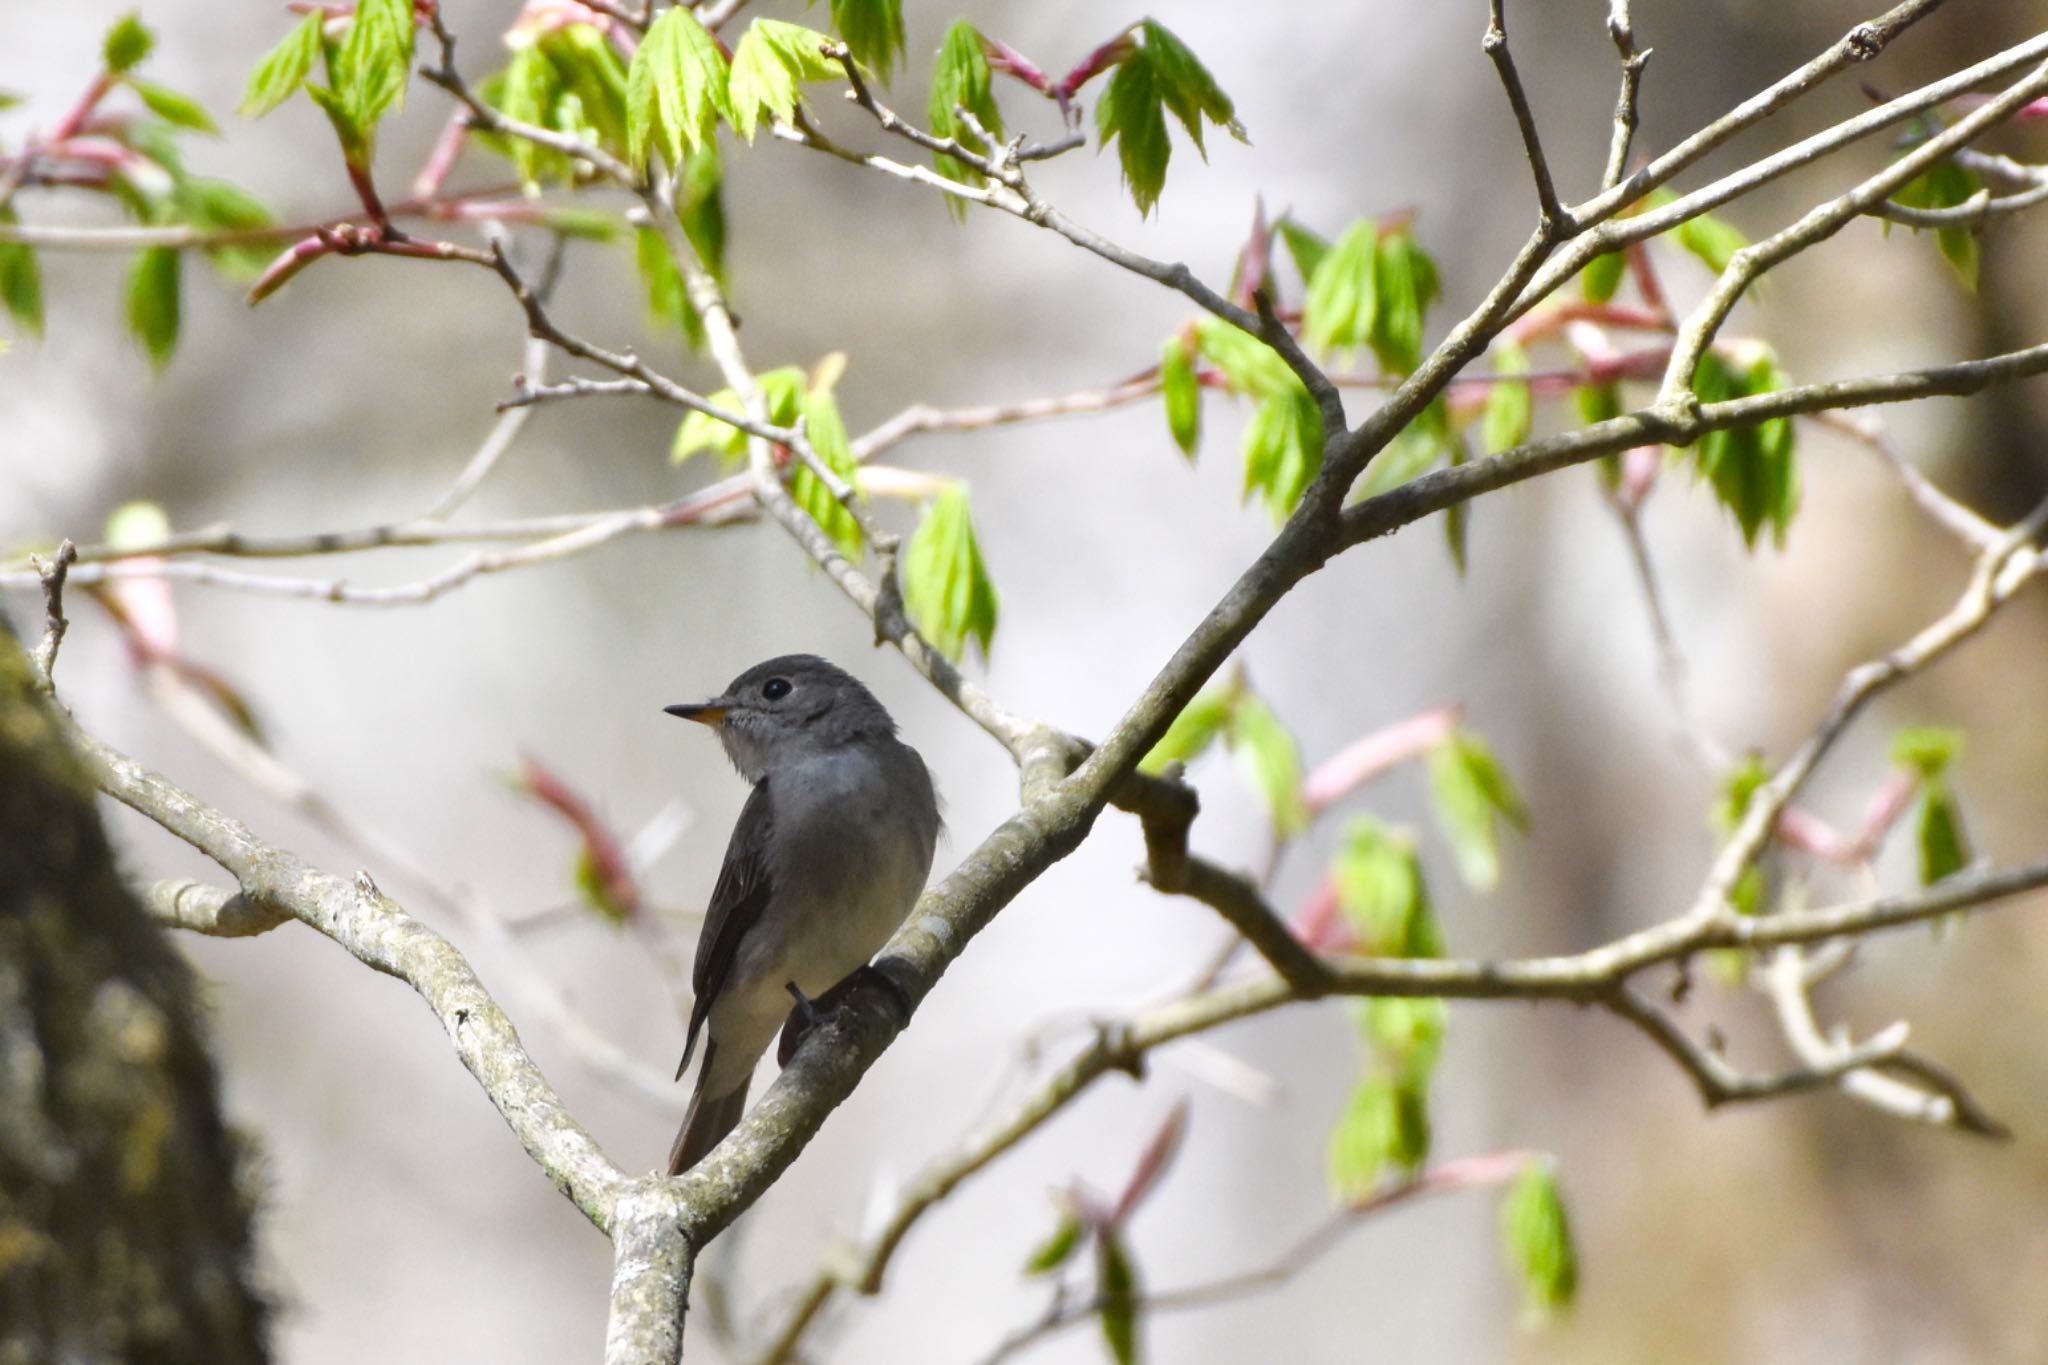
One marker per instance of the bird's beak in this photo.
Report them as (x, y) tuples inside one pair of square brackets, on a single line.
[(703, 712)]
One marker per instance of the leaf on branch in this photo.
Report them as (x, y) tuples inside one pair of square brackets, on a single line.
[(675, 89), (1927, 750), (153, 303), (374, 61), (1944, 848), (1059, 1247), (1713, 240), (1181, 391), (826, 431), (1603, 276), (772, 60), (961, 80), (1472, 794), (284, 68), (1945, 185), (217, 206), (668, 305), (1753, 470), (178, 110), (1384, 1128), (1537, 1237), (21, 280), (873, 30), (1382, 892), (1406, 1031), (1156, 75), (1283, 443), (782, 390), (1304, 246), (1738, 789), (1415, 448), (946, 586), (568, 80), (1504, 422), (1271, 760), (1283, 449), (1116, 1290), (1196, 727), (1406, 279), (1343, 292), (126, 43)]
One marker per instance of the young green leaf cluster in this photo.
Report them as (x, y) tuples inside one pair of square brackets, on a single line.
[(1947, 185), (1537, 1235), (146, 176), (366, 72), (946, 586), (1158, 75), (1754, 470), (1926, 752)]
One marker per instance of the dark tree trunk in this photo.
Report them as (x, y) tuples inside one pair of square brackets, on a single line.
[(124, 1205)]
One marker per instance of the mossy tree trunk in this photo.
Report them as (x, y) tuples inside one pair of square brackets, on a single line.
[(124, 1209)]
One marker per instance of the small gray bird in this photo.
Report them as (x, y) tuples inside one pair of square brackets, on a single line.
[(829, 854)]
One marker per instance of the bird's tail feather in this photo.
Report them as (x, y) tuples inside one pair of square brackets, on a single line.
[(709, 1119)]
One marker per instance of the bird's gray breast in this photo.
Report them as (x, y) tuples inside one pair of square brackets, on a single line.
[(853, 835)]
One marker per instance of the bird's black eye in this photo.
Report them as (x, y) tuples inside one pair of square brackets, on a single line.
[(775, 689)]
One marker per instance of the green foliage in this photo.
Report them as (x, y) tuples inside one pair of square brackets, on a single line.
[(216, 206), (946, 586), (568, 80), (1416, 447), (1753, 470), (1738, 788), (1944, 848), (1382, 893), (1058, 1248), (1505, 420), (675, 89), (1283, 449), (1370, 288), (1537, 1236), (1472, 794), (1283, 443), (181, 111), (1158, 74), (668, 305), (371, 66), (782, 391), (1271, 760), (1602, 276), (1407, 285), (1343, 293), (126, 43), (153, 303), (1406, 1031), (773, 58), (873, 30), (1945, 185), (1711, 239), (1116, 1290), (21, 281), (1181, 391), (826, 431), (1195, 728), (1305, 247), (1384, 1128), (961, 80), (1927, 750), (284, 68)]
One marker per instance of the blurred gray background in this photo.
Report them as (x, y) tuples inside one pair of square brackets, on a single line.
[(402, 1221)]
